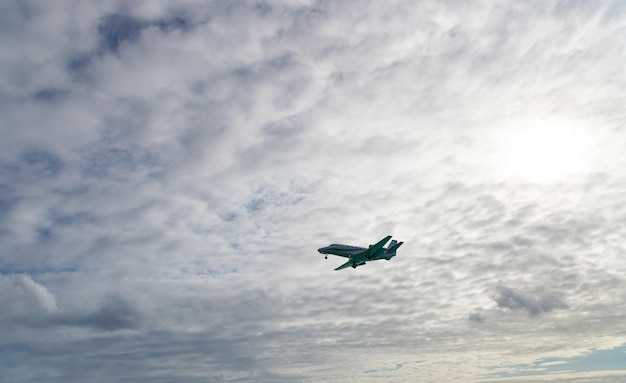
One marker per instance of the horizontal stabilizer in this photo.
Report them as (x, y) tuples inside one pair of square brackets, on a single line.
[(393, 248)]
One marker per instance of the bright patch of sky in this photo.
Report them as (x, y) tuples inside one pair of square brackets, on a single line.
[(591, 361)]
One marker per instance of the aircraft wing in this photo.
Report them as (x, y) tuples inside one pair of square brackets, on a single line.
[(347, 264), (375, 248)]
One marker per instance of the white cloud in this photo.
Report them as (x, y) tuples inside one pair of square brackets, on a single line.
[(23, 297)]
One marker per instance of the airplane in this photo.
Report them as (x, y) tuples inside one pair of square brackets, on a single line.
[(359, 255)]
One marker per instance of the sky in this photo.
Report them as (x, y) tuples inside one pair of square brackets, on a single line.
[(168, 171)]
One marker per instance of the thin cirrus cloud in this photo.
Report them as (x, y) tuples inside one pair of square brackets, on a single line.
[(167, 172)]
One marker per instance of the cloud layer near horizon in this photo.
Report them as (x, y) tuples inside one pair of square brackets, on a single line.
[(167, 173)]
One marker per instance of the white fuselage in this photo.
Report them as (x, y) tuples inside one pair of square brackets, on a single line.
[(341, 250)]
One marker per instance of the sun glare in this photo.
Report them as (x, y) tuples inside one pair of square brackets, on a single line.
[(545, 151)]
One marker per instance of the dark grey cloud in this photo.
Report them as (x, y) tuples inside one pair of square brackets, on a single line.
[(113, 313), (476, 317), (514, 300), (78, 63), (30, 304), (50, 95)]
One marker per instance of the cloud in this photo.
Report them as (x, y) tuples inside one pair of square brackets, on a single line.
[(28, 303), (509, 298), (21, 295), (476, 317), (114, 313)]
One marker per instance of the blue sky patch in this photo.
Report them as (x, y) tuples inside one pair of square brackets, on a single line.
[(595, 360), (116, 29)]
